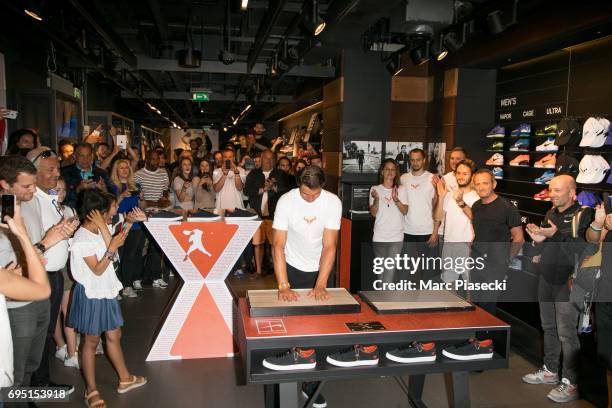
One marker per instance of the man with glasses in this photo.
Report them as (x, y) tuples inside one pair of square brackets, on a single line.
[(83, 174), (44, 205), (29, 320)]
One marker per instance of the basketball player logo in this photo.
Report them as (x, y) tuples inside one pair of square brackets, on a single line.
[(310, 220), (195, 241)]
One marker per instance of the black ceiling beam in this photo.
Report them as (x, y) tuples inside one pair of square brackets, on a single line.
[(267, 24)]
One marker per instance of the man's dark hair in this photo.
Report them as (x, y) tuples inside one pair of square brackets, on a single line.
[(14, 138), (151, 153), (402, 146), (484, 171), (83, 145), (468, 163), (62, 143), (90, 200), (311, 177), (283, 159), (12, 165), (102, 144), (459, 149), (417, 150)]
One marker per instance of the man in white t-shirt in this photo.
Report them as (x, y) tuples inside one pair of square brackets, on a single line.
[(454, 208), (457, 155), (420, 228), (306, 225), (228, 182)]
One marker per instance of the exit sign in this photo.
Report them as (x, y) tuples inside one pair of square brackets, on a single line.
[(200, 96)]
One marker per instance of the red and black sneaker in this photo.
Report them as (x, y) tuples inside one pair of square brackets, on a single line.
[(472, 349), (543, 195), (294, 359), (357, 355)]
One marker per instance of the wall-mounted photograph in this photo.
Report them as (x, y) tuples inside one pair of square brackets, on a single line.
[(399, 151), (361, 156), (435, 155)]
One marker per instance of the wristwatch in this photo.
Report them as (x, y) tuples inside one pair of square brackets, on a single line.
[(40, 247), (284, 285), (462, 205)]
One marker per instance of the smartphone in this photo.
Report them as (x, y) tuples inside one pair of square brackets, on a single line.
[(8, 206), (205, 175), (122, 141), (228, 164)]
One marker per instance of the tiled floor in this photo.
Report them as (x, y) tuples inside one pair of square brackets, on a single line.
[(213, 383)]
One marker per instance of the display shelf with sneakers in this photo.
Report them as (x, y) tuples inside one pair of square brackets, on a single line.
[(498, 173), (496, 147), (497, 132), (521, 145), (381, 336), (547, 162), (549, 130), (547, 146), (522, 160), (523, 130), (497, 159)]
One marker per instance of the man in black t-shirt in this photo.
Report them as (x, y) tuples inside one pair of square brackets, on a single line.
[(498, 235), (559, 242)]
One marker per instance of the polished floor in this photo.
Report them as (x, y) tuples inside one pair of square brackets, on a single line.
[(212, 383)]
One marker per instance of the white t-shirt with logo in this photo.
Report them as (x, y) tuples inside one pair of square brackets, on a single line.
[(229, 197), (305, 223), (451, 183), (388, 224), (458, 225), (419, 220)]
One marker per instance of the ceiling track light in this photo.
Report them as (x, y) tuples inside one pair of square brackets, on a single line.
[(438, 50), (314, 23), (394, 66), (34, 9), (420, 54), (451, 42)]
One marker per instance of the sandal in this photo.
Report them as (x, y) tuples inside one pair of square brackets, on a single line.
[(135, 382), (95, 404)]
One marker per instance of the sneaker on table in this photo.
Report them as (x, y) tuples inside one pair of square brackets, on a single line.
[(72, 361), (308, 389), (521, 145), (294, 359), (497, 132), (160, 283), (415, 352), (545, 178), (165, 216), (520, 160), (547, 162), (523, 130), (565, 392), (354, 356), (238, 213), (61, 353), (496, 160), (541, 376), (498, 173), (137, 285), (471, 349), (548, 146), (203, 215), (543, 195)]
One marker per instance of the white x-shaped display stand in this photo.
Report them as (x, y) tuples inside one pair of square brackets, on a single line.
[(199, 321)]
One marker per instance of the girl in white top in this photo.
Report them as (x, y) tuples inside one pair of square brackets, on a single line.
[(65, 350), (95, 309), (15, 286), (183, 185), (389, 204)]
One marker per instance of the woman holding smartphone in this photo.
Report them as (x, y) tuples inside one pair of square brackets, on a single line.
[(204, 193), (183, 184)]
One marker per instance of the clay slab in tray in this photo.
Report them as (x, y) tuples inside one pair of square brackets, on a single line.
[(265, 303), (415, 301)]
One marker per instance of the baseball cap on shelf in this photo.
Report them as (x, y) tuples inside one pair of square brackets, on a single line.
[(569, 132), (602, 167), (600, 138), (592, 170), (590, 130), (567, 164), (588, 198)]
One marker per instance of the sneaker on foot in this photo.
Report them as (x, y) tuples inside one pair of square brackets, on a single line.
[(294, 359), (565, 392), (129, 292), (541, 376), (160, 283), (61, 352), (137, 285), (415, 352), (354, 356), (472, 349), (72, 361), (308, 388)]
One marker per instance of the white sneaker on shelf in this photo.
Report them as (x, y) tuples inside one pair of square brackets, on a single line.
[(129, 292), (61, 352), (99, 349), (137, 285), (72, 361), (160, 283)]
